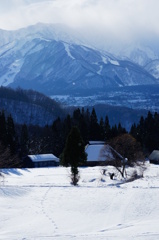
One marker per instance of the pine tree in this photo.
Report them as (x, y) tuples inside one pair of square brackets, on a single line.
[(67, 125), (3, 131), (58, 138), (74, 153), (94, 126), (101, 126), (121, 130), (8, 160), (133, 131), (114, 131), (107, 129), (24, 140), (76, 116), (83, 127), (11, 136), (141, 131)]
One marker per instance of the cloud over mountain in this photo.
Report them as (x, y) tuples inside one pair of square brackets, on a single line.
[(115, 19)]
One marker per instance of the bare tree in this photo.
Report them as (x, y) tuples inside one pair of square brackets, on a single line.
[(125, 151), (113, 158)]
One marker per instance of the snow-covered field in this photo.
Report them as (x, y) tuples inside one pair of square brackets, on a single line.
[(41, 204)]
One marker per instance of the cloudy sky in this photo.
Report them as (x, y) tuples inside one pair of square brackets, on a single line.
[(119, 18)]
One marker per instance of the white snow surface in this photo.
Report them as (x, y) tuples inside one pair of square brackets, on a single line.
[(68, 50), (114, 62), (41, 203), (9, 76), (105, 60), (100, 70)]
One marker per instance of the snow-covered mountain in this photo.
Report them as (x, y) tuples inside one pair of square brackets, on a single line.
[(153, 68), (140, 51), (53, 60)]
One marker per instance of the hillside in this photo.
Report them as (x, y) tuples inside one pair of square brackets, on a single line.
[(46, 206), (153, 68), (30, 107)]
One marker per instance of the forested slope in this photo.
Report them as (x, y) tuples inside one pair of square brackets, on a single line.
[(29, 107)]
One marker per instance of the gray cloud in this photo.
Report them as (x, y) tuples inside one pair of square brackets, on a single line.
[(119, 19)]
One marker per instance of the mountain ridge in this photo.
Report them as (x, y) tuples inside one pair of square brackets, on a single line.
[(44, 58), (52, 59)]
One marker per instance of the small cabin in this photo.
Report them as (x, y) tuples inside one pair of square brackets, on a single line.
[(154, 157), (41, 160)]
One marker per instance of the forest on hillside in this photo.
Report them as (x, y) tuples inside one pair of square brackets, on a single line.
[(29, 107)]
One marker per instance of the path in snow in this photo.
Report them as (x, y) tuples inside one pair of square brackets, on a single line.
[(44, 203)]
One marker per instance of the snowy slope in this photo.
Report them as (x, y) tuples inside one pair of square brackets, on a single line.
[(62, 66), (41, 204), (153, 68), (139, 51)]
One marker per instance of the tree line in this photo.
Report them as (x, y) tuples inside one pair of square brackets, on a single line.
[(147, 132), (19, 140)]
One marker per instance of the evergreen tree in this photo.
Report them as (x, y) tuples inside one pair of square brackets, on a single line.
[(107, 128), (147, 132), (133, 131), (11, 136), (58, 138), (3, 131), (121, 130), (8, 160), (84, 126), (141, 131), (156, 131), (76, 117), (149, 126), (102, 130), (67, 125), (24, 140), (114, 131), (94, 126), (74, 153)]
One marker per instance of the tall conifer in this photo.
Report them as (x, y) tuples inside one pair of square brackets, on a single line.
[(74, 153)]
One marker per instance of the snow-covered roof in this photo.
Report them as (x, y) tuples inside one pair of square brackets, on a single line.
[(154, 155), (96, 142), (99, 152), (93, 152), (43, 157)]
